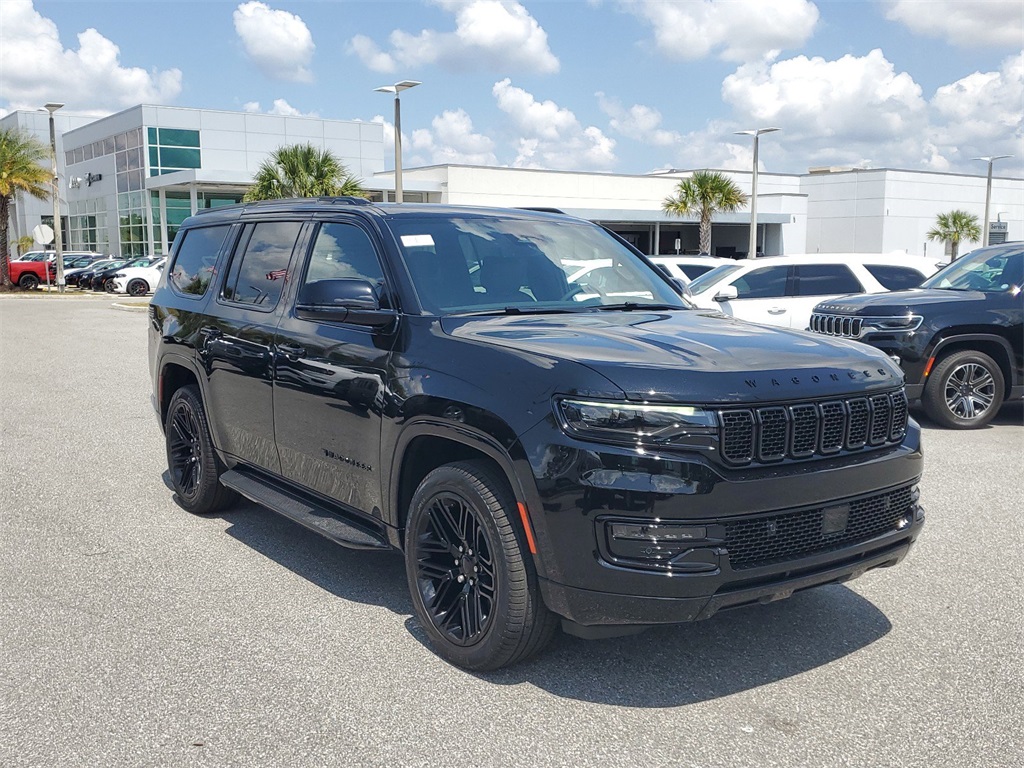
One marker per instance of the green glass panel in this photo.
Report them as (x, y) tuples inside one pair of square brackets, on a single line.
[(154, 171), (152, 135), (176, 137), (154, 159), (179, 157)]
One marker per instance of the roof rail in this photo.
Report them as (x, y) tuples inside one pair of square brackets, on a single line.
[(277, 201), (540, 208)]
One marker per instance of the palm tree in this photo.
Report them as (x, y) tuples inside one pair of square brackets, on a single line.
[(705, 193), (953, 227), (20, 171), (302, 170)]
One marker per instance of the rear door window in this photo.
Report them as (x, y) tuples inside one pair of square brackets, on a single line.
[(259, 268), (895, 278), (195, 261), (826, 280)]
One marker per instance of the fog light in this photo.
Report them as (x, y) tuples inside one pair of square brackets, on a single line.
[(904, 522)]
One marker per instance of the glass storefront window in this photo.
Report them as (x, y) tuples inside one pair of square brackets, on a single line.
[(179, 157), (176, 137), (108, 145), (120, 142)]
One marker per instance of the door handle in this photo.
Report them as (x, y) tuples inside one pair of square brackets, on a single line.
[(291, 351), (777, 311)]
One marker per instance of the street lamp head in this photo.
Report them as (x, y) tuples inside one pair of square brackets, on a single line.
[(52, 107), (398, 87), (756, 131), (991, 159)]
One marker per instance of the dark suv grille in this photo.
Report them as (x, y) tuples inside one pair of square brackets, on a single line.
[(837, 325), (767, 539), (812, 429)]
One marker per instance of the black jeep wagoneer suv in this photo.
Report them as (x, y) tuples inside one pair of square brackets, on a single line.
[(529, 411)]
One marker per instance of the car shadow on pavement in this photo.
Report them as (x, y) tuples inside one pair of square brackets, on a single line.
[(732, 652)]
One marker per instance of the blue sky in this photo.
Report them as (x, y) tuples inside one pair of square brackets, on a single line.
[(629, 86)]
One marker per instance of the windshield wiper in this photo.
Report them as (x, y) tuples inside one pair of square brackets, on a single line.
[(518, 311), (630, 306)]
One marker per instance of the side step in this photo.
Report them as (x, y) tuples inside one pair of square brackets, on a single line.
[(304, 511)]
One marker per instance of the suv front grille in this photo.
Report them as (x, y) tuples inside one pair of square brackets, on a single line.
[(813, 429), (837, 325), (756, 541)]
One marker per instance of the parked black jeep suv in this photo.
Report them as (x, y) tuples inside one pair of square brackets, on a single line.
[(959, 337), (449, 383)]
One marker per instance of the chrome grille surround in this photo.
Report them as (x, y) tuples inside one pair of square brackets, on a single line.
[(816, 429), (844, 326)]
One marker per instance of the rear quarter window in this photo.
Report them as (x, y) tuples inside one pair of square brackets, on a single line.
[(196, 260), (826, 279), (895, 278)]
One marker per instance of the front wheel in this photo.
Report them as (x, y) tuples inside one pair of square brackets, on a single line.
[(473, 588), (137, 287), (193, 465), (964, 391)]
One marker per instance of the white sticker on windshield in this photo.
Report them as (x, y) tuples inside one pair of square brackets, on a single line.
[(412, 241)]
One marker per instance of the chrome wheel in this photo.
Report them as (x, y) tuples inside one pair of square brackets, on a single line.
[(970, 390), (455, 569)]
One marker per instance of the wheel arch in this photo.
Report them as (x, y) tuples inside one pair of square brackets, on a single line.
[(992, 345), (428, 443), (175, 373)]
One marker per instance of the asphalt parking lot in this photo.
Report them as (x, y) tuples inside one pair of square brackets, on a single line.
[(135, 634)]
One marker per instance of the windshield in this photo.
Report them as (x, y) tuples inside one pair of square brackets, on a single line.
[(983, 270), (486, 264), (708, 279)]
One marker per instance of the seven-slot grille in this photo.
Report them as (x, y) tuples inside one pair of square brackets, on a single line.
[(805, 430), (837, 325), (766, 539)]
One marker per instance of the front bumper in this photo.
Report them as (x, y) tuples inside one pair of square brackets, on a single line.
[(583, 491), (120, 284)]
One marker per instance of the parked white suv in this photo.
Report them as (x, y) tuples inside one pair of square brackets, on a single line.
[(687, 268), (137, 281), (783, 290)]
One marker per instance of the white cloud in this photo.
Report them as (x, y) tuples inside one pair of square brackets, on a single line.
[(37, 68), (965, 24), (279, 107), (452, 140), (736, 30), (278, 42), (552, 137), (859, 112), (639, 122), (489, 34)]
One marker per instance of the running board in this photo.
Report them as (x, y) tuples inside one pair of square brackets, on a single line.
[(304, 511)]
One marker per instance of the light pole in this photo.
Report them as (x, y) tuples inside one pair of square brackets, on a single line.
[(988, 192), (57, 245), (752, 248), (396, 89)]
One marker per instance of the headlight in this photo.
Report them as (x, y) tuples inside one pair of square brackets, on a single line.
[(635, 424), (898, 323)]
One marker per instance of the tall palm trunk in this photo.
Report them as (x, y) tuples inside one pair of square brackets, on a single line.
[(705, 230), (5, 246)]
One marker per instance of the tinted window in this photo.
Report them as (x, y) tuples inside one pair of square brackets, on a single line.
[(825, 280), (693, 270), (764, 283), (343, 251), (983, 270), (895, 278), (197, 256), (257, 275)]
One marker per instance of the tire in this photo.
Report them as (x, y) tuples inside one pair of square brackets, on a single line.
[(137, 287), (29, 281), (108, 285), (964, 391), (191, 462), (479, 605)]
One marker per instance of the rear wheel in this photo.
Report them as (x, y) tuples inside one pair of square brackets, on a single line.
[(194, 468), (137, 287), (29, 281), (964, 391), (474, 588)]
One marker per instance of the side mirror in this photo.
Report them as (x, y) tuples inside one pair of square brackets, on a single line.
[(343, 301), (727, 293), (680, 286)]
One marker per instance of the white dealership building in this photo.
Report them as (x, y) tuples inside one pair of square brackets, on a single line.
[(128, 180)]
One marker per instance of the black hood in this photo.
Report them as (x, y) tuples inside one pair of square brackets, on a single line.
[(898, 302), (690, 356)]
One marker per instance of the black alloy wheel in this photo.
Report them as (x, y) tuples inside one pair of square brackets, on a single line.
[(471, 576), (29, 281), (964, 391), (455, 570), (137, 287), (194, 468)]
